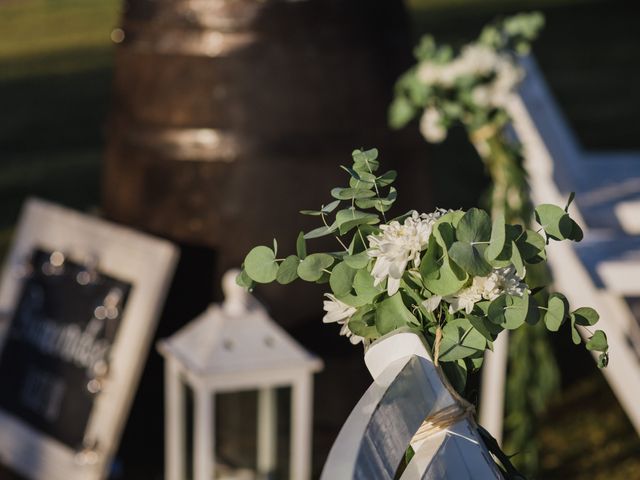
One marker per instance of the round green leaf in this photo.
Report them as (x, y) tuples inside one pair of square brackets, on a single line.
[(357, 261), (391, 313), (556, 313), (243, 280), (603, 360), (532, 246), (288, 270), (557, 223), (460, 340), (363, 285), (498, 237), (341, 279), (598, 342), (311, 268), (509, 311), (260, 264), (470, 259), (586, 316), (474, 226)]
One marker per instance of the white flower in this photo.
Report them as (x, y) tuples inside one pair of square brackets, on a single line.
[(431, 303), (428, 73), (509, 282), (482, 95), (465, 299), (340, 313), (337, 311), (431, 126), (397, 245), (477, 60), (499, 281)]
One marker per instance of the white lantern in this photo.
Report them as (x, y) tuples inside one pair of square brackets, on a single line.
[(235, 347)]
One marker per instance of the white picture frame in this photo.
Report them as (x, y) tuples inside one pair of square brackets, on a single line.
[(148, 264)]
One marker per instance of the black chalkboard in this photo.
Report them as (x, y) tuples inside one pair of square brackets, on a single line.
[(58, 345)]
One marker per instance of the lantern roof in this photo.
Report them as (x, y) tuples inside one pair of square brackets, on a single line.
[(234, 337)]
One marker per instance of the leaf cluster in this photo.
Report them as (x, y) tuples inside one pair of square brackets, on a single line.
[(463, 246)]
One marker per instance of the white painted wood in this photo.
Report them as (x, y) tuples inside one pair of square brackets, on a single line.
[(237, 347), (628, 214), (175, 430), (301, 427), (267, 431), (203, 435), (494, 376), (570, 275), (144, 261), (380, 427)]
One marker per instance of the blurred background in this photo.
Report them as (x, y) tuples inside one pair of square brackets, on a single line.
[(95, 113)]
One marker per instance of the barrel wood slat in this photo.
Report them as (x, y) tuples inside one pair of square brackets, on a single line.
[(407, 389)]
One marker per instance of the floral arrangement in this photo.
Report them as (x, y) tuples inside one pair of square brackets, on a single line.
[(454, 276), (472, 88)]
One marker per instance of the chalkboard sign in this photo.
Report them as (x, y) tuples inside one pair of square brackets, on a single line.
[(57, 348), (79, 300)]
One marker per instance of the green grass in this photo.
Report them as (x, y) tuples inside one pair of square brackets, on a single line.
[(56, 61), (36, 27)]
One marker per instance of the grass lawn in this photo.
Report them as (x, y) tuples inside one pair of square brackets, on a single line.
[(55, 76)]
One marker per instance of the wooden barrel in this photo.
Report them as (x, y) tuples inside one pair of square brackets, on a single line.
[(228, 117), (226, 110)]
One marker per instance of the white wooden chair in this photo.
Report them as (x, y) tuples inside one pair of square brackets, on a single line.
[(607, 184), (406, 390), (605, 267)]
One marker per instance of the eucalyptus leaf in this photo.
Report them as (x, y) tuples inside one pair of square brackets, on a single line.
[(556, 313), (301, 246), (330, 207), (386, 178), (260, 265), (439, 274), (469, 259), (603, 360), (509, 311), (557, 223), (320, 232), (312, 213), (532, 246), (243, 280), (357, 261), (460, 340), (363, 284), (312, 267), (288, 270), (516, 260), (586, 316), (598, 342), (352, 193), (341, 279), (391, 314), (350, 218), (474, 226), (575, 335), (487, 329), (444, 233), (362, 323), (498, 237)]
